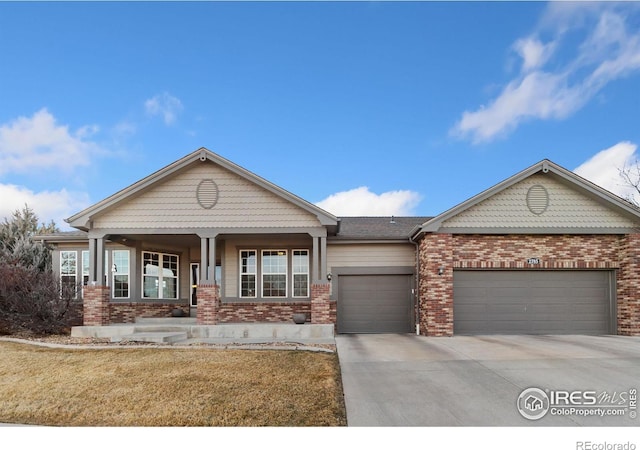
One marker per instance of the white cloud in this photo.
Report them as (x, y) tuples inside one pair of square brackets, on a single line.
[(604, 168), (48, 205), (610, 51), (164, 105), (29, 144), (362, 202), (533, 52)]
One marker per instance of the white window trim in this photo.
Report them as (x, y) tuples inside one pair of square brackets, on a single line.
[(255, 273), (75, 274), (114, 273), (286, 272), (161, 276), (294, 273)]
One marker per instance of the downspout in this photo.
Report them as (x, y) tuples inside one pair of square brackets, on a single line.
[(416, 295)]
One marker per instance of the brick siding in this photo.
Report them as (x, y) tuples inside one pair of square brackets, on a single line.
[(621, 253), (320, 303), (127, 312)]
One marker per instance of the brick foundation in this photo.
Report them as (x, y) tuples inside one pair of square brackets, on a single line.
[(270, 312), (607, 252), (127, 312)]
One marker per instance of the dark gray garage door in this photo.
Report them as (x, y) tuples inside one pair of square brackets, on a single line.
[(532, 302), (374, 304)]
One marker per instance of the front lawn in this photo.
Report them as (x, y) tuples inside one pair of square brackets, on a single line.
[(169, 387)]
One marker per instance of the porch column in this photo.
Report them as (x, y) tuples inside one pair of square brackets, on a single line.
[(323, 259), (320, 303), (208, 259), (96, 296), (316, 260), (208, 304), (208, 289)]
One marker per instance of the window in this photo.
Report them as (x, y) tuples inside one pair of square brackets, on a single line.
[(274, 273), (160, 276), (120, 274), (85, 267), (300, 268), (68, 270), (248, 271)]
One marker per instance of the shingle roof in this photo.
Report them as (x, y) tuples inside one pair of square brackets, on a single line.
[(384, 228)]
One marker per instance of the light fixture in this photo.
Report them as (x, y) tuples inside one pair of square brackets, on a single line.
[(329, 276), (114, 268), (441, 270)]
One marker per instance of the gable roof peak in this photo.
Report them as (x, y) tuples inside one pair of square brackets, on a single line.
[(82, 219), (545, 166)]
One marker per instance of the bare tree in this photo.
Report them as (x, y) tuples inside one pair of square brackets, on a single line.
[(630, 174)]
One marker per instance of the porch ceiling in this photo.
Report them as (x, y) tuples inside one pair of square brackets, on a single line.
[(189, 240)]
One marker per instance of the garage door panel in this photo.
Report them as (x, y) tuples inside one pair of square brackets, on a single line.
[(532, 302), (374, 304)]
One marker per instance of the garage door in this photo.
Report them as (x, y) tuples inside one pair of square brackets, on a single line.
[(374, 304), (532, 302)]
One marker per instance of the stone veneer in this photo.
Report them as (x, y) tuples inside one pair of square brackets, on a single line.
[(619, 252)]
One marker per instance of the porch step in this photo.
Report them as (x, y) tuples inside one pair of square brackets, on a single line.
[(170, 331), (157, 337)]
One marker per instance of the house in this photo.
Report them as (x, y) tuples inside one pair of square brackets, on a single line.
[(543, 252)]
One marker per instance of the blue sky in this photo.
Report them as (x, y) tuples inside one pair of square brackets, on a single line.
[(366, 108)]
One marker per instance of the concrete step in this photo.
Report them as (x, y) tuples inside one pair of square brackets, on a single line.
[(157, 337)]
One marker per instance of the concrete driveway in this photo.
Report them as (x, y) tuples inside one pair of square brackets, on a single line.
[(408, 380)]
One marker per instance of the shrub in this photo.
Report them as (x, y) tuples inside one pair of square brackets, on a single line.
[(34, 300)]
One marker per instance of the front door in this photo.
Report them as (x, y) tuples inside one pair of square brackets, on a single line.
[(195, 274)]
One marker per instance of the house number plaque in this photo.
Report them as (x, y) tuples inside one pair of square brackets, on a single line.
[(533, 261)]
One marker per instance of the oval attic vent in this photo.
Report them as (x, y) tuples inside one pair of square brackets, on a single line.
[(207, 194), (537, 199)]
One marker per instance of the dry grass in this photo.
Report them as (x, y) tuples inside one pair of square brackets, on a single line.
[(169, 387)]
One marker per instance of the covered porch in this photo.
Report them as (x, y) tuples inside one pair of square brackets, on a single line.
[(212, 276)]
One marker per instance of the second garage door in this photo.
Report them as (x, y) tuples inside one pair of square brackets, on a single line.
[(532, 302), (375, 304)]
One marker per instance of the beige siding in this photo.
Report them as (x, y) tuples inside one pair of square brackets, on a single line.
[(370, 255), (567, 208), (173, 204)]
